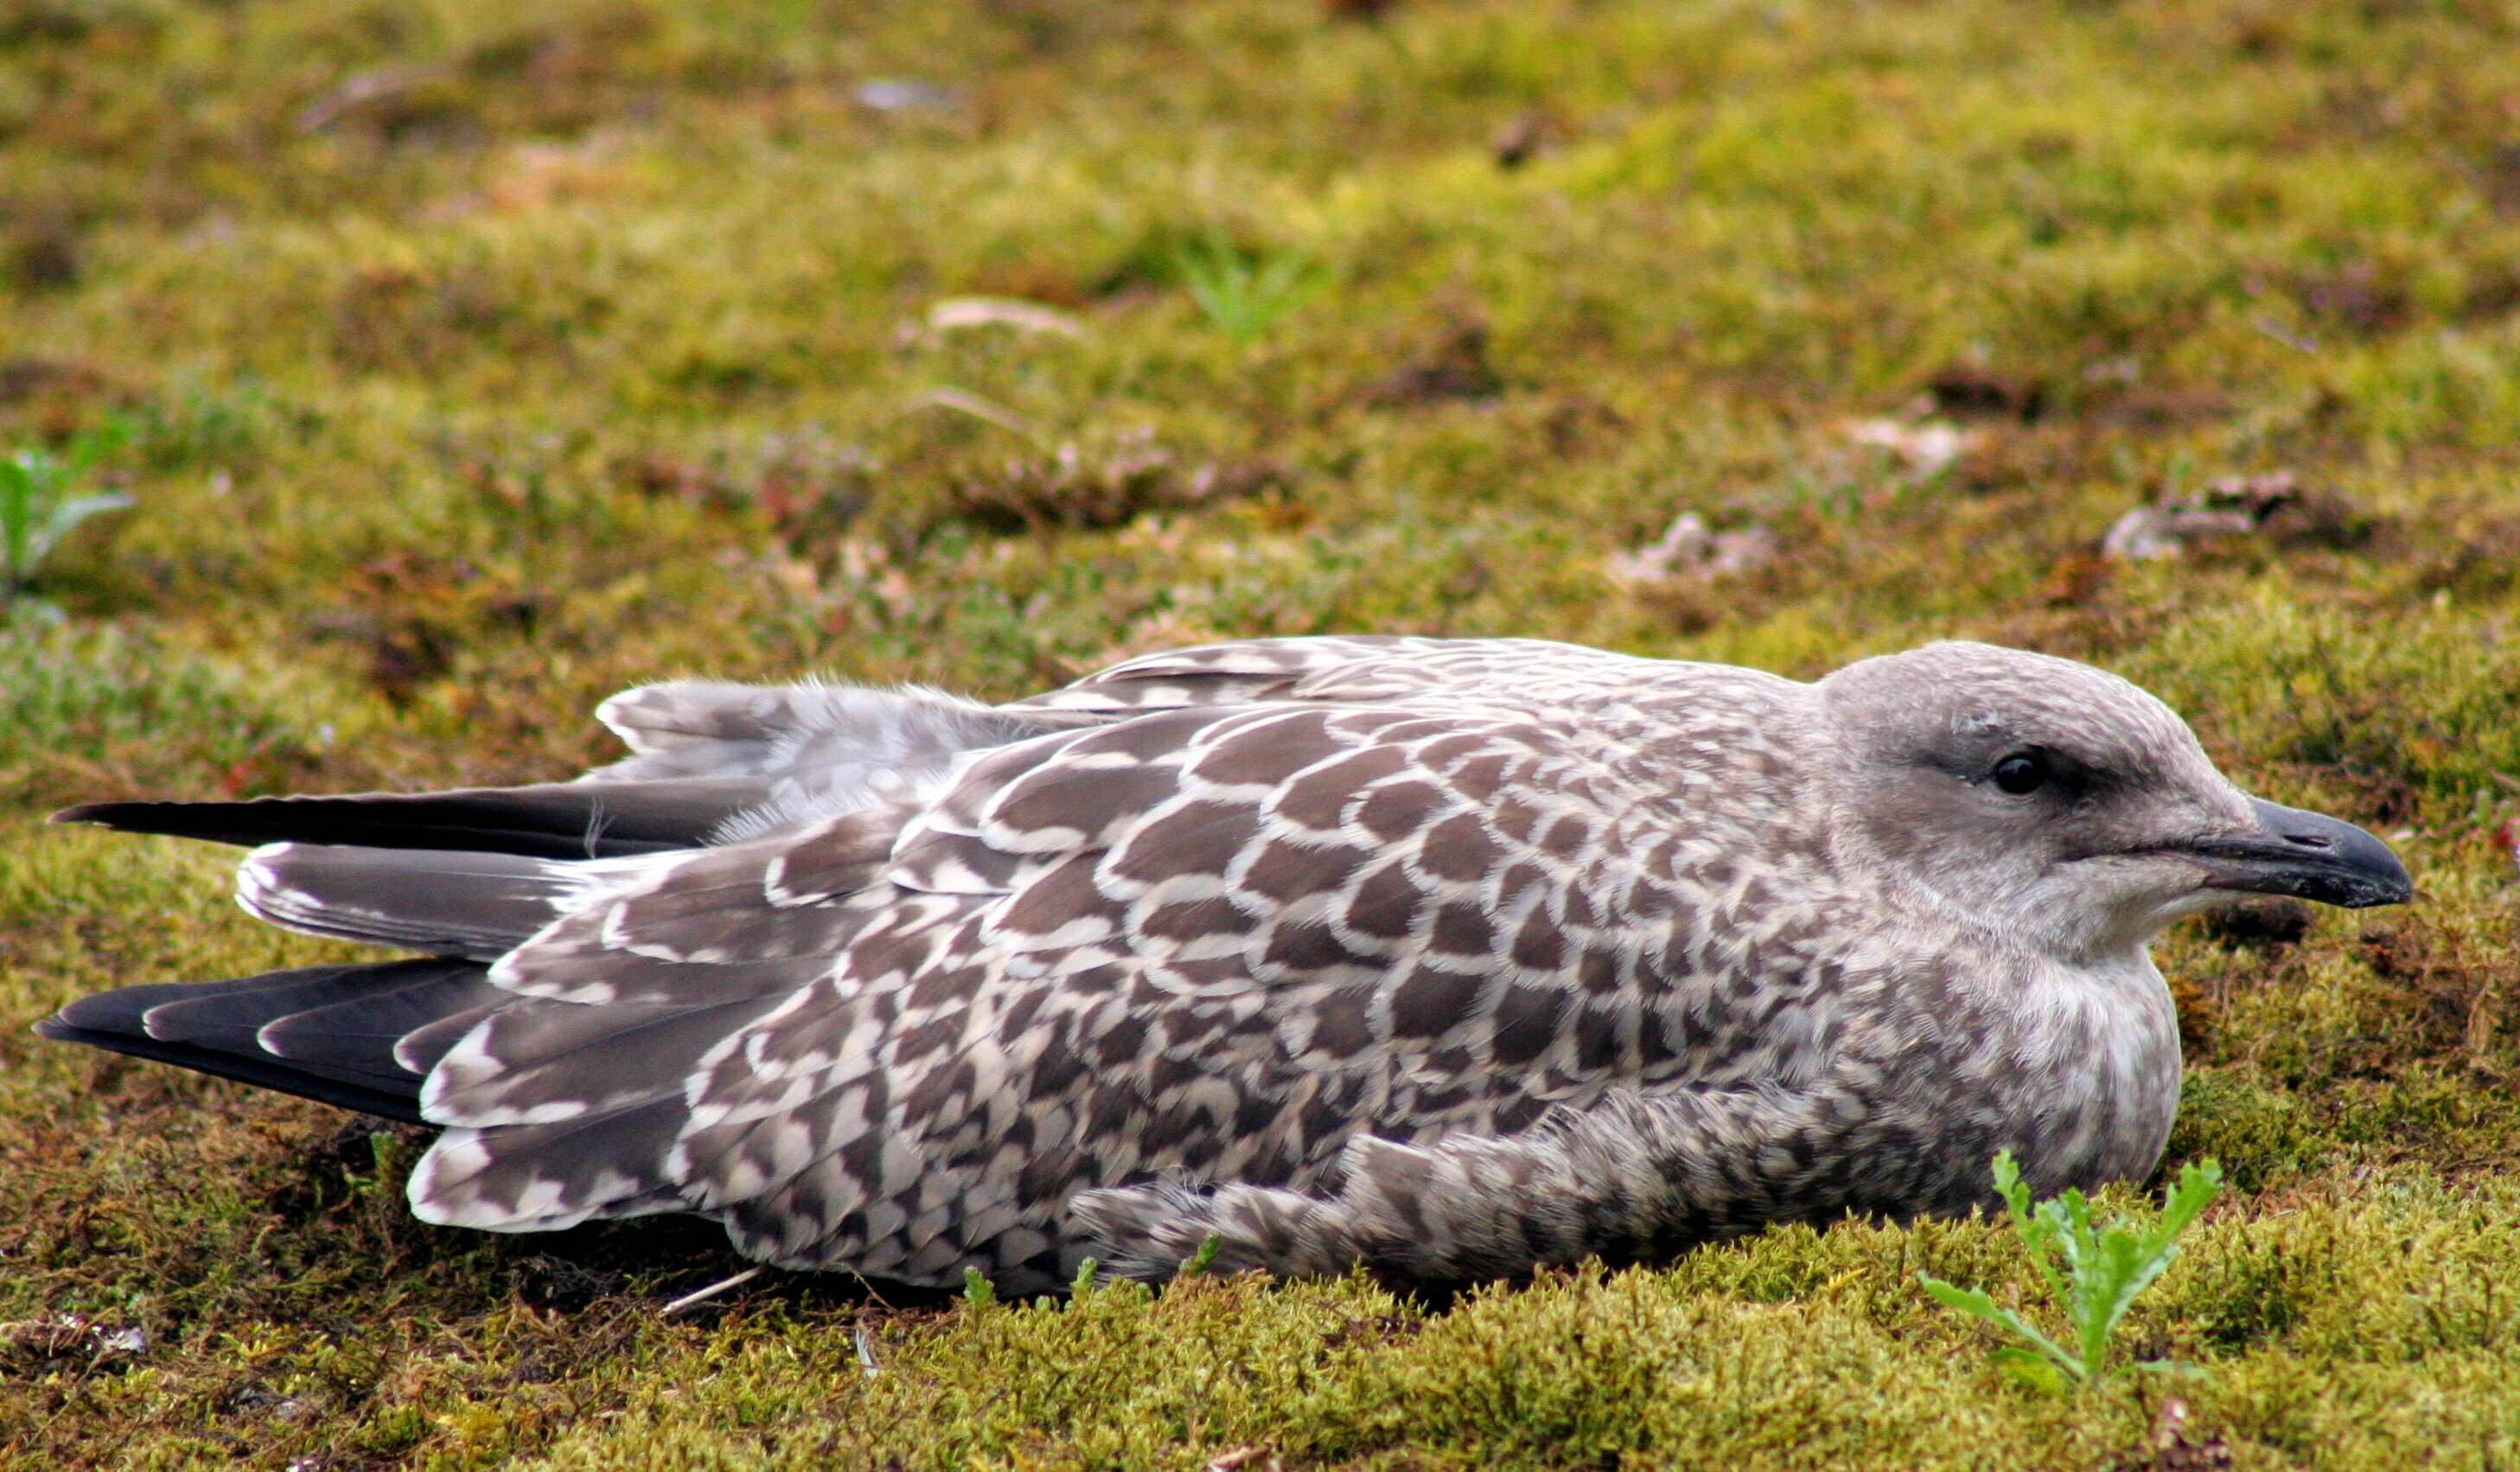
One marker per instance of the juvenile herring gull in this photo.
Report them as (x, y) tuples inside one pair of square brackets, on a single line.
[(1452, 957)]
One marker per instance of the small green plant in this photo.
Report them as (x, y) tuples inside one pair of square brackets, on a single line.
[(1204, 1259), (978, 1291), (37, 509), (1244, 295), (2104, 1269), (200, 422)]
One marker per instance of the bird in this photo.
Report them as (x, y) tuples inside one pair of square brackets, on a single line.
[(1446, 959)]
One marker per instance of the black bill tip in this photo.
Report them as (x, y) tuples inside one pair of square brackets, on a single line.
[(2308, 855)]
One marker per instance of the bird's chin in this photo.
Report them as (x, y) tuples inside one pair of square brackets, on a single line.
[(2114, 904), (2179, 907)]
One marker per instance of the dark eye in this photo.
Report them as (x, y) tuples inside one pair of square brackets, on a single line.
[(2021, 772)]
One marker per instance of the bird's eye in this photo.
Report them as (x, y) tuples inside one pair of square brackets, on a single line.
[(2021, 772)]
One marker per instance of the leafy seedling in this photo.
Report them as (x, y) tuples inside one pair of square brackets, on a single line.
[(2104, 1269), (1245, 296), (37, 509)]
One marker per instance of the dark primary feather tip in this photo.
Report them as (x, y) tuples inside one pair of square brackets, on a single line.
[(546, 821), (342, 1094), (324, 1033)]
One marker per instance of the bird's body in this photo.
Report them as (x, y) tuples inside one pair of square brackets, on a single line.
[(1453, 958)]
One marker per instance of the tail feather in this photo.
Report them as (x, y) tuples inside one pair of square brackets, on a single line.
[(448, 903), (821, 733), (605, 819)]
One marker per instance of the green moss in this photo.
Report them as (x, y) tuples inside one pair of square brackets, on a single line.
[(483, 363), (2258, 1132)]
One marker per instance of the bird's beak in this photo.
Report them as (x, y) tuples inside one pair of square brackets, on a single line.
[(2306, 854)]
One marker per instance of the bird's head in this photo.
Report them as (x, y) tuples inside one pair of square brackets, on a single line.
[(2064, 806)]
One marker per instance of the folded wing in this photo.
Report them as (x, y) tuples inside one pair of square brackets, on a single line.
[(883, 979)]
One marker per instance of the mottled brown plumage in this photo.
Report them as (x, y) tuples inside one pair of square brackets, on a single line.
[(1453, 958)]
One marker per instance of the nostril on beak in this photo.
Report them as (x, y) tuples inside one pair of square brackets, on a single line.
[(2312, 856)]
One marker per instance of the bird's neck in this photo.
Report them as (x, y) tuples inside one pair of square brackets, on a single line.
[(2098, 1046)]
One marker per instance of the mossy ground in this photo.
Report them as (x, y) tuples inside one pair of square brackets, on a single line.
[(486, 358)]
